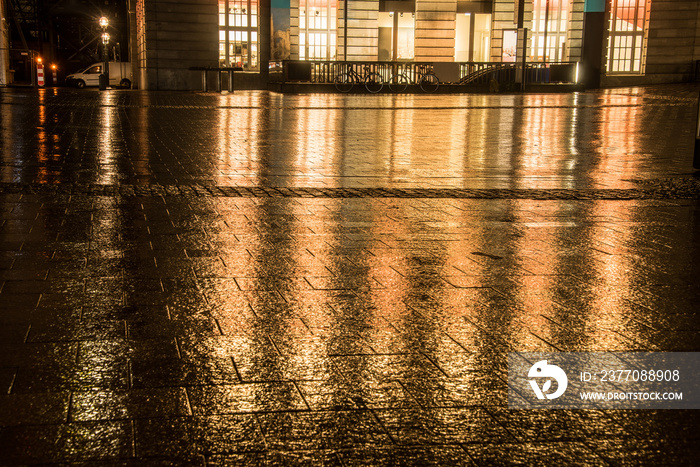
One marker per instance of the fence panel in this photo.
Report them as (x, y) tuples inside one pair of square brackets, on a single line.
[(470, 73)]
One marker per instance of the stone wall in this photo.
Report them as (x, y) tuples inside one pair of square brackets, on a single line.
[(294, 29), (363, 32), (4, 46), (673, 40), (435, 30), (174, 36), (504, 18), (672, 45), (574, 36)]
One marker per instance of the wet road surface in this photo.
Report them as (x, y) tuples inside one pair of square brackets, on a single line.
[(256, 279)]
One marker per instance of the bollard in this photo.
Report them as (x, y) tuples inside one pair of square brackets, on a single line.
[(696, 157), (230, 80), (40, 74)]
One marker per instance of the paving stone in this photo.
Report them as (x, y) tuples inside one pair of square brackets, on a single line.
[(246, 398), (256, 279), (322, 430), (408, 456), (34, 409)]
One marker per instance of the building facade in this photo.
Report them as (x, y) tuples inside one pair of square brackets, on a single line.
[(4, 45), (620, 42)]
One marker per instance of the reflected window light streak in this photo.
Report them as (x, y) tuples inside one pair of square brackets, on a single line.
[(108, 170), (535, 133), (615, 276), (400, 145), (505, 141), (548, 136), (317, 148), (142, 128), (586, 321), (239, 136), (618, 130), (573, 133), (457, 141), (42, 155), (477, 155)]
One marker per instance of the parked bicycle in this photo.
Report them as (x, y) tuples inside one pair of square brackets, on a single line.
[(345, 80), (426, 79)]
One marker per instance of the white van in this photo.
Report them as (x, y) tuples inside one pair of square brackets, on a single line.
[(119, 75)]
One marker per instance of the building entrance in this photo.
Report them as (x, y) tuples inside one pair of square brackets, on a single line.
[(396, 33)]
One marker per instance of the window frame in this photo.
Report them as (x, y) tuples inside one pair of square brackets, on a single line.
[(330, 31), (249, 27), (541, 14), (636, 38)]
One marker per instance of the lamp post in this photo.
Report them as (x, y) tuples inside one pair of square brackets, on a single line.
[(104, 77)]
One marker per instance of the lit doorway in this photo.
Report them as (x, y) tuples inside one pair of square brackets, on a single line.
[(317, 29), (482, 38), (396, 34), (238, 33), (463, 37), (472, 37), (550, 19)]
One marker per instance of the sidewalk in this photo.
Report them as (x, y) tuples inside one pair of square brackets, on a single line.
[(258, 279)]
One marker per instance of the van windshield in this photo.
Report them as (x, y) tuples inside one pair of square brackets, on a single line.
[(92, 69)]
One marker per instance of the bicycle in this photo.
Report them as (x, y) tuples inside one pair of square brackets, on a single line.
[(427, 80), (345, 80)]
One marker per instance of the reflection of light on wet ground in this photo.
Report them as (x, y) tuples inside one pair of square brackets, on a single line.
[(42, 155), (259, 139), (108, 171), (617, 137), (242, 138), (315, 145), (236, 325)]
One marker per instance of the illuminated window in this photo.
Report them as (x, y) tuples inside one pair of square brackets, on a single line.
[(396, 33), (238, 33), (549, 27), (317, 29), (626, 42)]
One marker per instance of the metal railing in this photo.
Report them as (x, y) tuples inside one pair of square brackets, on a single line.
[(483, 72), (470, 73), (324, 72), (552, 73)]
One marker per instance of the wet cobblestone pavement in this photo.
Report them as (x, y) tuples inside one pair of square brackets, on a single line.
[(257, 279)]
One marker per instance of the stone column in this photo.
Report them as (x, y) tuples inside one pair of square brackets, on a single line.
[(4, 45), (265, 12), (435, 30), (133, 44), (593, 33), (362, 30), (178, 36)]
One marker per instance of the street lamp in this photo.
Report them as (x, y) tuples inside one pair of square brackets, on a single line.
[(104, 82)]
